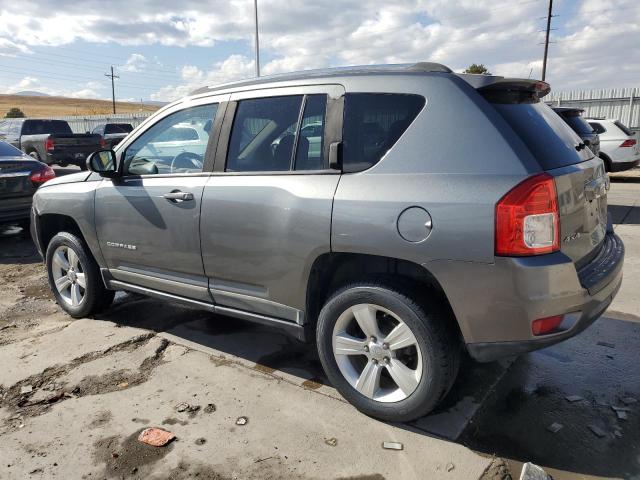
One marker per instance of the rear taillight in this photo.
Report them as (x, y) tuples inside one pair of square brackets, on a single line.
[(49, 144), (527, 218), (544, 326), (628, 143), (41, 176), (103, 143)]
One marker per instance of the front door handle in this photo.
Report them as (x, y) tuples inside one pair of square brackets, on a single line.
[(178, 196)]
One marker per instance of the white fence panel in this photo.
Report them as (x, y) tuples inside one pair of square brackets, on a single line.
[(86, 123), (620, 103)]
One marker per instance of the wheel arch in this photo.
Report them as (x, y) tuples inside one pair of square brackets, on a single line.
[(606, 159), (333, 270)]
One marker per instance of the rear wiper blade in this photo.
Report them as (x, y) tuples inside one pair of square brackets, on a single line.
[(580, 146)]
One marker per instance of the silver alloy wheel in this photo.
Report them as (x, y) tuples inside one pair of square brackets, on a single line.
[(377, 353), (68, 275)]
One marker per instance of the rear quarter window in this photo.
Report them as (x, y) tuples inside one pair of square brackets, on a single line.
[(545, 133), (373, 123)]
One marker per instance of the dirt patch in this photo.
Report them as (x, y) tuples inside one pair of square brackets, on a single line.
[(101, 419), (374, 476), (498, 470), (126, 457), (186, 470), (174, 421), (45, 390)]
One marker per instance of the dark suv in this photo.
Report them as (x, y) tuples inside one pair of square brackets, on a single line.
[(573, 117), (393, 216)]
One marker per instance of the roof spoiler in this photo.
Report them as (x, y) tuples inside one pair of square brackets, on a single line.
[(538, 87), (498, 89)]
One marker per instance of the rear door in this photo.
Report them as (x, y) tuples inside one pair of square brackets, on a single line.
[(267, 208), (580, 178), (148, 221)]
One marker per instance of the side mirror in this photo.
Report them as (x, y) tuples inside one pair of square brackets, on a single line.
[(103, 162)]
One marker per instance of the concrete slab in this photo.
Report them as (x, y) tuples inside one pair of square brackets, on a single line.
[(29, 357), (287, 435)]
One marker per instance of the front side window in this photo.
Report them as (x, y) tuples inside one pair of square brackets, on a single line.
[(311, 141), (373, 123), (176, 144)]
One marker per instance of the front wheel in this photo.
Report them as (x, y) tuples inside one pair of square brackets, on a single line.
[(74, 277), (390, 356)]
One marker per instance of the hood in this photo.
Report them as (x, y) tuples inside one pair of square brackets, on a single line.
[(72, 178)]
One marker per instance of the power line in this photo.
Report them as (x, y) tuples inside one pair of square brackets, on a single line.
[(113, 88)]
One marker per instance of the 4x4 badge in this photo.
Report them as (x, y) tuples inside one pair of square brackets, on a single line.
[(570, 238)]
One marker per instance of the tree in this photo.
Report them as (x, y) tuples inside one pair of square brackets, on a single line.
[(15, 113), (477, 68)]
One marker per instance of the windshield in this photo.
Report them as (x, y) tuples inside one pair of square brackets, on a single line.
[(579, 124), (7, 150)]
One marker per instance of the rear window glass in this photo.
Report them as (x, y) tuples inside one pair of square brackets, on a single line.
[(37, 127), (373, 123), (623, 127), (579, 124), (7, 150), (117, 128), (547, 136)]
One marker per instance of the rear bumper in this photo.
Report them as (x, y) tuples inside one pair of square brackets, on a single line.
[(621, 166), (56, 158), (495, 304)]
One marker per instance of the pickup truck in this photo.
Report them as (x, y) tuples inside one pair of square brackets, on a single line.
[(49, 141), (112, 133)]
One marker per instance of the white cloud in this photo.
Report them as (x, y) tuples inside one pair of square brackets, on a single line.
[(595, 47)]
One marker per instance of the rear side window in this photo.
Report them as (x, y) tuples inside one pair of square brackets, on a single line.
[(597, 127), (623, 127), (117, 128), (37, 127), (545, 133), (373, 123)]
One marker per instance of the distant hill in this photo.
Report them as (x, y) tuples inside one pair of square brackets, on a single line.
[(45, 105), (31, 93)]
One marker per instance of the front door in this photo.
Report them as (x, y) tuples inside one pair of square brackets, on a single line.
[(267, 207), (148, 220)]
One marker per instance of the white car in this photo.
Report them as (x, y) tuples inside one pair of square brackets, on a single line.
[(619, 146)]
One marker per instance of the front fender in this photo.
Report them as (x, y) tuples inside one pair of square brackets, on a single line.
[(58, 204)]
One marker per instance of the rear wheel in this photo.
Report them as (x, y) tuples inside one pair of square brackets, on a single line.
[(74, 277), (388, 355), (35, 155)]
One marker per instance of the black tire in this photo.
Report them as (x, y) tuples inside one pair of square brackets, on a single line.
[(83, 167), (433, 328), (33, 154), (96, 296)]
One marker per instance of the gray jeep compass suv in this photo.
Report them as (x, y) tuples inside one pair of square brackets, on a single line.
[(393, 216)]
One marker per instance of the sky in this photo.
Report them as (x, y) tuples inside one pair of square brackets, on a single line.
[(163, 49)]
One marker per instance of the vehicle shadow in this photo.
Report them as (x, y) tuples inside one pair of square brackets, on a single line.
[(622, 178), (624, 214), (493, 408), (16, 246)]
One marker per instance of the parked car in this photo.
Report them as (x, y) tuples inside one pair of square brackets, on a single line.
[(112, 133), (395, 247), (573, 117), (49, 141), (20, 176), (619, 147)]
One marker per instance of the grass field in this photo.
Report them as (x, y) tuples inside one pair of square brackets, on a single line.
[(54, 106)]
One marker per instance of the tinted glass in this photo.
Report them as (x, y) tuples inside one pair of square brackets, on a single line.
[(176, 144), (37, 127), (7, 150), (264, 134), (311, 142), (548, 137), (117, 128), (598, 128), (373, 122), (623, 128), (579, 124)]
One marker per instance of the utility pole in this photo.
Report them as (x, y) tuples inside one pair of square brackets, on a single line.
[(113, 88), (546, 41), (255, 9)]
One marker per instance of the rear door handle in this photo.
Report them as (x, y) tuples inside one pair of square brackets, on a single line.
[(178, 196)]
